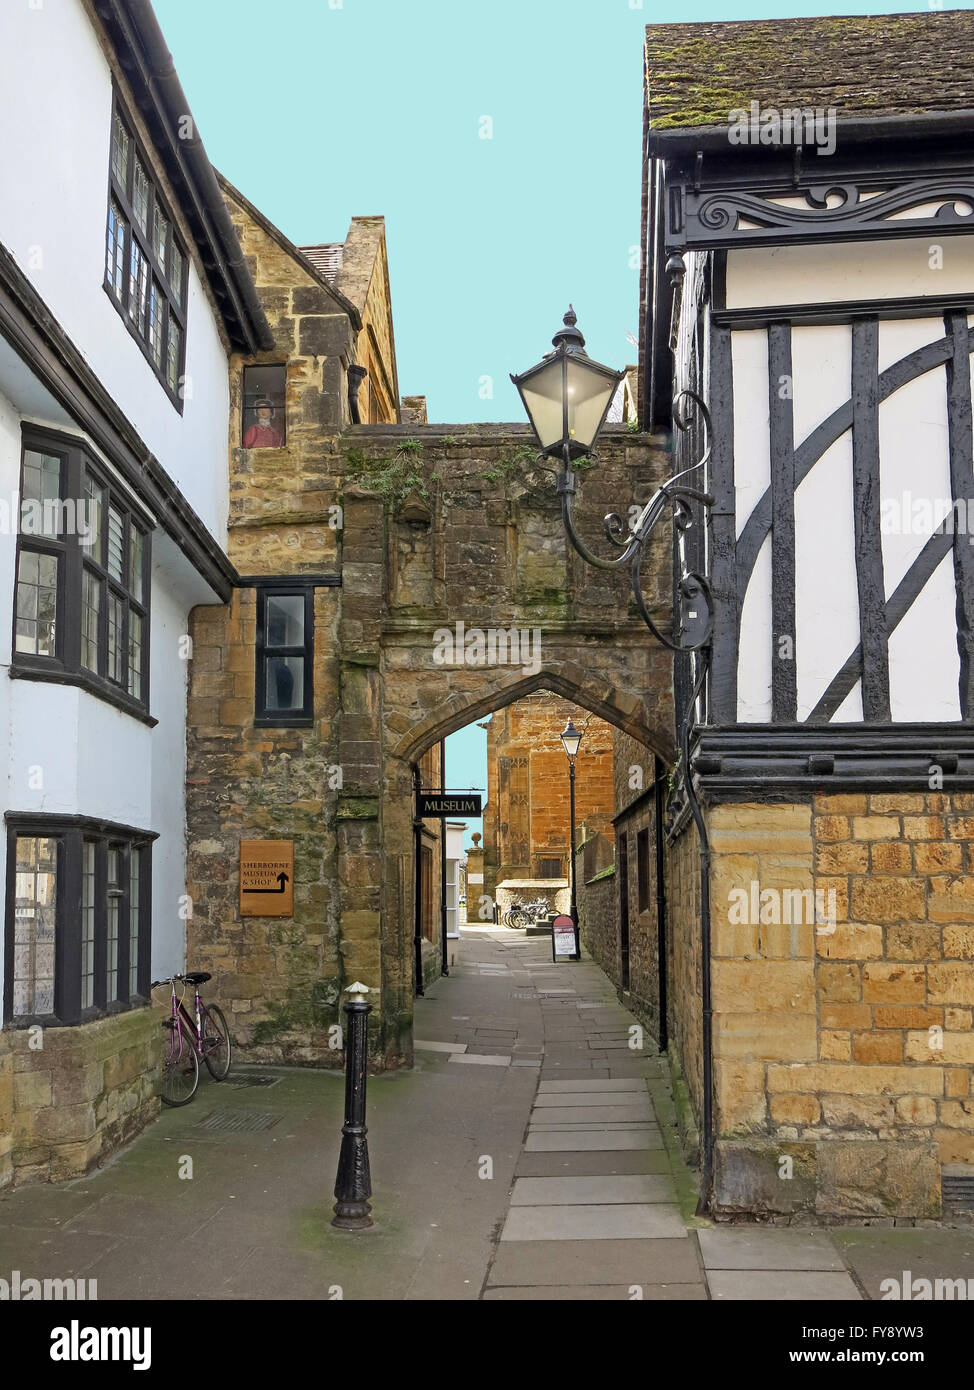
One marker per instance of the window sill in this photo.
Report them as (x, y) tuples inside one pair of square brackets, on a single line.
[(25, 1021), (102, 690), (298, 721)]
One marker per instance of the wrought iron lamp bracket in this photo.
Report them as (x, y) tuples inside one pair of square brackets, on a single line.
[(631, 541)]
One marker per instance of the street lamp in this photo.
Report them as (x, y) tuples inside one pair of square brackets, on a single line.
[(567, 395), (570, 739)]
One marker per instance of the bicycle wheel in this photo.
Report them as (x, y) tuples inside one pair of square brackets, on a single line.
[(180, 1070), (216, 1042)]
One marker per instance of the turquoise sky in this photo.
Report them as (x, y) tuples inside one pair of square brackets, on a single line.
[(319, 110)]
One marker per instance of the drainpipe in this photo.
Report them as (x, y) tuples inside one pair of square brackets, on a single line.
[(661, 952), (356, 375), (444, 949), (707, 1119), (417, 883)]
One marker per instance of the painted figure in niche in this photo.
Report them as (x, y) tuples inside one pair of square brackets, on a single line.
[(263, 434)]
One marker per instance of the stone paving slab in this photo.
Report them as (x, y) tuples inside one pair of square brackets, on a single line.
[(557, 1263), (425, 1045), (875, 1254), (621, 1188), (750, 1248), (482, 1058), (548, 1100), (596, 1163), (609, 1084), (618, 1221), (555, 1141), (582, 1126), (653, 1293), (780, 1286), (595, 1114)]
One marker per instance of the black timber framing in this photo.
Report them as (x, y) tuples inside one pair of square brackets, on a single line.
[(755, 762), (843, 310), (784, 678), (961, 456), (873, 620), (713, 187), (47, 351), (723, 527)]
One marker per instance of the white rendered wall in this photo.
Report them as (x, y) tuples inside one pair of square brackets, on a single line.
[(855, 270), (924, 662), (54, 160), (67, 752), (752, 478)]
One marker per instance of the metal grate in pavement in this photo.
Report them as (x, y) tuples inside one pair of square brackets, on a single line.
[(238, 1121), (251, 1080)]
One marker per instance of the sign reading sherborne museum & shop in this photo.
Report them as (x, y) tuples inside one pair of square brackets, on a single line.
[(267, 878)]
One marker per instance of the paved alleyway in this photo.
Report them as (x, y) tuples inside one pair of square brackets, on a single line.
[(530, 1154)]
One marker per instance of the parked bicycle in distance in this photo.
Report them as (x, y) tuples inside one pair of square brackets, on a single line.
[(206, 1036), (521, 914)]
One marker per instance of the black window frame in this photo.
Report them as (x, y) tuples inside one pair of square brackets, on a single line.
[(174, 305), (272, 718), (65, 665), (70, 834)]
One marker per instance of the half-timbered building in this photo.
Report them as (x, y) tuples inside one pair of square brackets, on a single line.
[(809, 275)]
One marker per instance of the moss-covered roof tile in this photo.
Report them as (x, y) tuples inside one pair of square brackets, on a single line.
[(863, 65)]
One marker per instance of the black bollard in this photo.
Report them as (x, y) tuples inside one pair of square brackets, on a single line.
[(353, 1185)]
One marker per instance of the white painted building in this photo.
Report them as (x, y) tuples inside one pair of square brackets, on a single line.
[(455, 888), (122, 294)]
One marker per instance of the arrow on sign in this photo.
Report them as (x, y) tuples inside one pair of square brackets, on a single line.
[(282, 879)]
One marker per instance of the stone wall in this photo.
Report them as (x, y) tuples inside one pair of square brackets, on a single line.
[(278, 979), (844, 1043), (67, 1105), (598, 918), (684, 977)]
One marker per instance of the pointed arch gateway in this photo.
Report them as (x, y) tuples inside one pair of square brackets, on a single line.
[(485, 554), (621, 707), (591, 690)]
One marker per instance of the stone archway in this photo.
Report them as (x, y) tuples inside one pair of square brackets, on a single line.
[(625, 709), (476, 557)]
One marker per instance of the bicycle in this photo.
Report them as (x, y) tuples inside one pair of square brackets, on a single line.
[(206, 1036), (522, 914)]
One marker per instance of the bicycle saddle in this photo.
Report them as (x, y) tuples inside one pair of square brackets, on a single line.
[(198, 977)]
